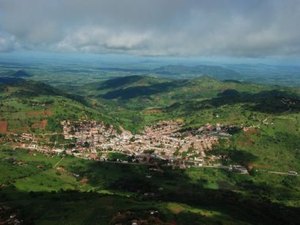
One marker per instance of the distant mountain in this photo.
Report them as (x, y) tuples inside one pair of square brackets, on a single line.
[(10, 80), (16, 74), (129, 81), (218, 72), (12, 86), (131, 87), (181, 71), (21, 88), (21, 73), (146, 91), (268, 74)]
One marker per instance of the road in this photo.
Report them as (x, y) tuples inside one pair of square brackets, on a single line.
[(283, 173), (58, 162)]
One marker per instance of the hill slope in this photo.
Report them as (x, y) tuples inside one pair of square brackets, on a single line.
[(31, 106)]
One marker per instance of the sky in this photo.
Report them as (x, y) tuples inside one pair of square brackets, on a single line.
[(181, 28)]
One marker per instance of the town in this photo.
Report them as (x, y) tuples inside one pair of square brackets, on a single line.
[(167, 142), (164, 139)]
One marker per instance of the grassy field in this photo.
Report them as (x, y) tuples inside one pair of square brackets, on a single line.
[(73, 191)]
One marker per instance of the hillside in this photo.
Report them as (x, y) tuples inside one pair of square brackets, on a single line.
[(138, 101), (34, 106), (133, 97), (115, 151)]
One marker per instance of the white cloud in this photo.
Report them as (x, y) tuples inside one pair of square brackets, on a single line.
[(7, 43), (97, 39), (156, 27)]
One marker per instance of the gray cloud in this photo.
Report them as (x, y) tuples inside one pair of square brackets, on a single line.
[(158, 27), (7, 43)]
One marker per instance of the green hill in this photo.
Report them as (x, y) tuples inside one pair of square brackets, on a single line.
[(31, 106), (130, 98)]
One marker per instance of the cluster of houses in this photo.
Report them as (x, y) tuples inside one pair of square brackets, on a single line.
[(167, 142), (166, 139)]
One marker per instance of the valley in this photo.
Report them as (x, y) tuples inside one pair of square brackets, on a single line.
[(148, 148)]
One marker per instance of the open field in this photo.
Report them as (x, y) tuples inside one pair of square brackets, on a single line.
[(44, 191)]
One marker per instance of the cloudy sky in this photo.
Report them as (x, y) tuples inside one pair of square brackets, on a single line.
[(234, 28)]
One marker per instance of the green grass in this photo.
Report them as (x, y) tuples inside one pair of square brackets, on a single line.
[(188, 197)]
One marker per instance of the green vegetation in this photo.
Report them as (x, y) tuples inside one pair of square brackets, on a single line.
[(75, 190), (115, 156), (29, 106), (50, 189)]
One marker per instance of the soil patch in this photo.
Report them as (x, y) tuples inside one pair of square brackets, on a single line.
[(3, 127), (40, 113)]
